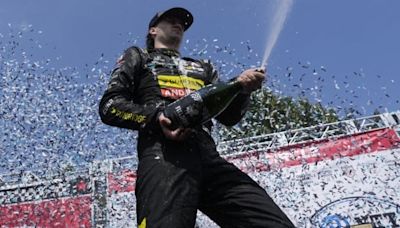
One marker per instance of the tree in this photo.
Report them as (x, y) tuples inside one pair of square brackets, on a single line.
[(269, 113)]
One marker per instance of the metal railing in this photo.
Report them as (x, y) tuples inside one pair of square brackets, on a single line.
[(314, 133)]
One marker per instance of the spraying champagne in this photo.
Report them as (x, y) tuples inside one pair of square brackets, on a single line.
[(280, 13)]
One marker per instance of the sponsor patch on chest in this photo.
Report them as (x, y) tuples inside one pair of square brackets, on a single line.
[(177, 86)]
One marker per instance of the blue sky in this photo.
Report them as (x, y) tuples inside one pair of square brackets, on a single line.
[(355, 43), (55, 57)]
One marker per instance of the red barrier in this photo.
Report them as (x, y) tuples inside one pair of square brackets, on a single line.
[(64, 212)]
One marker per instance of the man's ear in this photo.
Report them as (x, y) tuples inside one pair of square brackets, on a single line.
[(153, 31)]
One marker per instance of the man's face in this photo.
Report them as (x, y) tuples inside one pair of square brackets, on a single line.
[(169, 29)]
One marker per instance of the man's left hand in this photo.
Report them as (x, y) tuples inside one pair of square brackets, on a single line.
[(178, 134)]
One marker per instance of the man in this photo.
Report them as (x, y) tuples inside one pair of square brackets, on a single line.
[(180, 170)]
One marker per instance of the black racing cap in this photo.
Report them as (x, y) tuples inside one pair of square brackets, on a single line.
[(178, 12)]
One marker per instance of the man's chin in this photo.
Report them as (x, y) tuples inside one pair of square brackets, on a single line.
[(171, 40), (175, 39)]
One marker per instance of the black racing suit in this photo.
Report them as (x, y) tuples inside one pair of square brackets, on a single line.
[(174, 179)]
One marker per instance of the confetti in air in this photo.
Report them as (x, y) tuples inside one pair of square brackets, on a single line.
[(49, 122)]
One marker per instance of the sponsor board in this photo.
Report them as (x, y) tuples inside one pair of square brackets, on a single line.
[(338, 193), (357, 210)]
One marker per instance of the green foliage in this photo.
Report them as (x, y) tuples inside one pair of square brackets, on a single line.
[(269, 113)]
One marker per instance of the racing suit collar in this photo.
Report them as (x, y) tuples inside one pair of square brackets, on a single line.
[(166, 51)]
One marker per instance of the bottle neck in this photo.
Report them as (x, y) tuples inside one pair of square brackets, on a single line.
[(236, 84)]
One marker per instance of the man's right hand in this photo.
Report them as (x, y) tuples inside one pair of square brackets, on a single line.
[(251, 79), (178, 134)]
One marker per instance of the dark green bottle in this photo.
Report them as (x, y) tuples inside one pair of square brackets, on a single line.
[(202, 105)]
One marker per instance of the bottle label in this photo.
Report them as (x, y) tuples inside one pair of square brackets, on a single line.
[(196, 97), (185, 112), (181, 116)]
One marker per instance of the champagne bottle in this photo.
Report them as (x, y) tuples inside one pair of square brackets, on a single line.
[(202, 105)]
